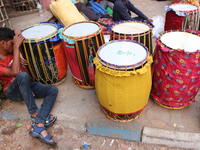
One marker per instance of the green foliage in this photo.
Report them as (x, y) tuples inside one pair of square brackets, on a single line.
[(19, 124)]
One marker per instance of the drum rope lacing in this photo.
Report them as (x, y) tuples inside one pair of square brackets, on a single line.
[(45, 66), (27, 59), (191, 21), (84, 83), (117, 35)]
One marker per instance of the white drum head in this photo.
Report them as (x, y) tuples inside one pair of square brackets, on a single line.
[(81, 29), (130, 28), (183, 7), (181, 40), (39, 31), (121, 54)]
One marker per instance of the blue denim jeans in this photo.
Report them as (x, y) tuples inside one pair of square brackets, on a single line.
[(22, 89)]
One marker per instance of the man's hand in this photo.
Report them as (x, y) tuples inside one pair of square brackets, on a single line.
[(150, 20), (23, 61), (18, 38)]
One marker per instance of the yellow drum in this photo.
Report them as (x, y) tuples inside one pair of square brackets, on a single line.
[(123, 79)]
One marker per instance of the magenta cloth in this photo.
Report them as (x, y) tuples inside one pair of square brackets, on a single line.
[(176, 77), (173, 21)]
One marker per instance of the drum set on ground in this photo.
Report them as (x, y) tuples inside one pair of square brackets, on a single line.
[(124, 71)]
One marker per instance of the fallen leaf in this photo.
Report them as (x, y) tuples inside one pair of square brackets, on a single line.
[(19, 125)]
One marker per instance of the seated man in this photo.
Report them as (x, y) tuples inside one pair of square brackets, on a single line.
[(17, 86), (121, 11)]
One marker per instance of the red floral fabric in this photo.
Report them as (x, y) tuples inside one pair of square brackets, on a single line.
[(173, 21), (176, 76)]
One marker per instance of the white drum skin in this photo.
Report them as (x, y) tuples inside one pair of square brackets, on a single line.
[(181, 40), (183, 7), (81, 29), (39, 31), (130, 28), (122, 54)]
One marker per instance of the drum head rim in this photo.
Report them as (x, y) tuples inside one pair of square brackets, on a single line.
[(185, 4), (134, 35), (82, 37), (42, 37), (164, 45), (122, 67)]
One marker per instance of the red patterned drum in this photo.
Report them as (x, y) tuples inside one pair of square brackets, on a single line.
[(176, 75)]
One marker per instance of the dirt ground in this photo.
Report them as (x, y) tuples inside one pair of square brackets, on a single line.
[(15, 136)]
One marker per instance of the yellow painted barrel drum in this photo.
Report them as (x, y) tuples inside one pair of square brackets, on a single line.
[(123, 79)]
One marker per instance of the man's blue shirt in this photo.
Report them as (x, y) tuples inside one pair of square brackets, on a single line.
[(121, 11)]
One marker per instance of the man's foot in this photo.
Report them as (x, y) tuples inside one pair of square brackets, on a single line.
[(49, 121), (39, 131)]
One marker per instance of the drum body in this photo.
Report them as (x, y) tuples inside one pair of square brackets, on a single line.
[(44, 53), (81, 41), (132, 30), (123, 79), (176, 69), (182, 16)]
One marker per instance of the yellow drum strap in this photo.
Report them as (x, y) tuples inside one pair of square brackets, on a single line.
[(113, 36), (96, 41), (42, 61), (79, 61), (52, 68), (49, 58), (131, 36), (138, 37), (25, 51), (34, 62), (86, 57), (102, 39), (125, 36), (90, 41)]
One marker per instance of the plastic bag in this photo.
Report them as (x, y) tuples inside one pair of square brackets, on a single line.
[(158, 22)]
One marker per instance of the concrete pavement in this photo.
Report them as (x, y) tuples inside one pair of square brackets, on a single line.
[(76, 107)]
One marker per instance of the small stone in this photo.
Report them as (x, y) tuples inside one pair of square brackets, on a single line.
[(126, 142), (82, 134), (28, 127), (58, 131), (9, 130)]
